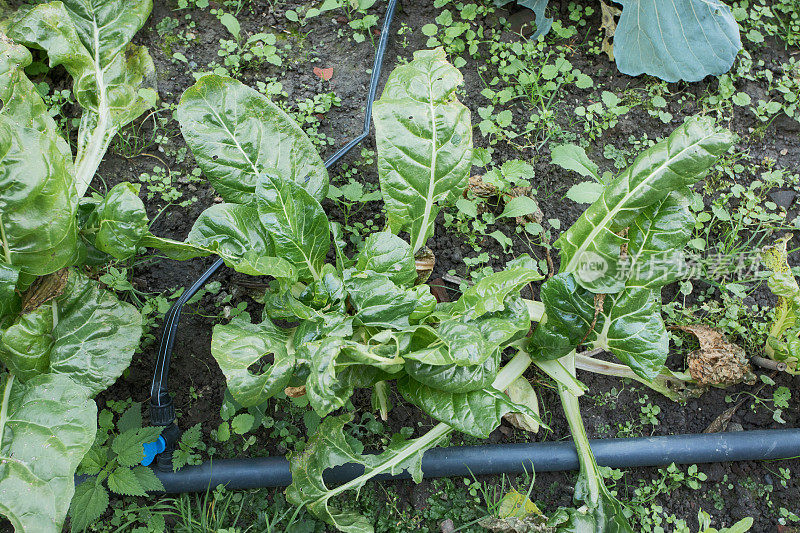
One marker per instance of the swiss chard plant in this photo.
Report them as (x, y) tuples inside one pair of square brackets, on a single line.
[(681, 40), (333, 323), (63, 337), (614, 261)]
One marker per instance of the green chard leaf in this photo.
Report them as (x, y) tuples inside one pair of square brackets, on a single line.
[(296, 223), (242, 350), (377, 300), (424, 140), (475, 413), (489, 294), (236, 134), (38, 234), (454, 378), (629, 325), (86, 334), (234, 232), (92, 41), (386, 253), (570, 313), (118, 223), (46, 426), (591, 247), (656, 240), (9, 299)]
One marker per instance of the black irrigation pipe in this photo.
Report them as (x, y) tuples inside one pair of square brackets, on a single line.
[(452, 461), (508, 459)]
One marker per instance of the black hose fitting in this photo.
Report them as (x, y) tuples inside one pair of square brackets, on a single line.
[(164, 414)]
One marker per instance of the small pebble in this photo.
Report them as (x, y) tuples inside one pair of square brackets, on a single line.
[(447, 526)]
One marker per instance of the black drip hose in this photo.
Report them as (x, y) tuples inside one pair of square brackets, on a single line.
[(260, 472), (162, 410)]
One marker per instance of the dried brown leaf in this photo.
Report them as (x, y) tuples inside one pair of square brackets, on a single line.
[(718, 362), (295, 392)]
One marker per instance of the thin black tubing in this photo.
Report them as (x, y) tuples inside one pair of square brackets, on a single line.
[(159, 392), (377, 66), (559, 456)]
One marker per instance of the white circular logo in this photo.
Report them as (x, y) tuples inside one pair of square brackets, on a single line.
[(591, 266)]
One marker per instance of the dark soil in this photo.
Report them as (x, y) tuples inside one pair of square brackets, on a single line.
[(197, 383)]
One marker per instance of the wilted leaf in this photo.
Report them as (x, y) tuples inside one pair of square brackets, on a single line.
[(521, 391)]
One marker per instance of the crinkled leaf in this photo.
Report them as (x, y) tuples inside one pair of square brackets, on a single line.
[(326, 392), (591, 247), (377, 300), (629, 325), (331, 324), (236, 134), (48, 424), (20, 98), (388, 254), (656, 240), (38, 234), (454, 378), (91, 336), (118, 223), (96, 334), (424, 140), (631, 328), (240, 345), (475, 413), (467, 341), (490, 293), (92, 41), (327, 293), (25, 346), (685, 40), (570, 312), (9, 299), (296, 222), (235, 233)]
